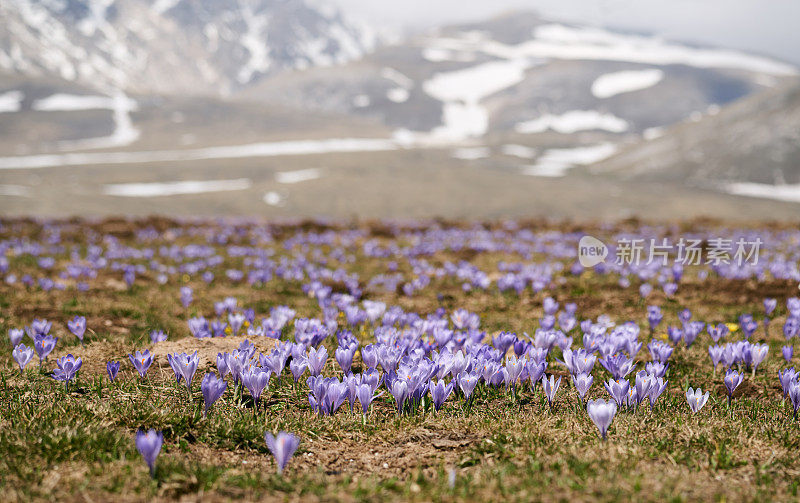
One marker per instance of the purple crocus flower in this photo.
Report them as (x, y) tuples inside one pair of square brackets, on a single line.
[(618, 390), (716, 353), (186, 296), (15, 335), (185, 367), (129, 276), (656, 390), (770, 305), (44, 346), (141, 361), (657, 369), (440, 392), (77, 326), (369, 356), (535, 371), (352, 381), (794, 396), (788, 352), (758, 352), (38, 328), (732, 381), (149, 445), (222, 364), (717, 332), (793, 305), (366, 394), (235, 321), (786, 378), (618, 365), (504, 340), (602, 413), (399, 391), (255, 380), (791, 327), (68, 366), (643, 383), (514, 368), (212, 388), (298, 366), (275, 362), (344, 356), (660, 351), (748, 325), (282, 448), (582, 383), (173, 363), (675, 334), (654, 316), (696, 399), (112, 368), (316, 360), (157, 336), (550, 388), (22, 355), (467, 383)]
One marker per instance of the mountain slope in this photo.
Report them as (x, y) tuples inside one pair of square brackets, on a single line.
[(173, 46), (524, 74), (751, 147)]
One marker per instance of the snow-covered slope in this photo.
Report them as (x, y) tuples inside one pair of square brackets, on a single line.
[(522, 73), (174, 46)]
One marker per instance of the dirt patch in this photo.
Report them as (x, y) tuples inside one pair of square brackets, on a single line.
[(422, 450), (96, 354)]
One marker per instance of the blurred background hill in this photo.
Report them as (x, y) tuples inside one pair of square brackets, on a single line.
[(276, 108)]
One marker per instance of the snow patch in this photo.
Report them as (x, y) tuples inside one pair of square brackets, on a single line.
[(274, 198), (161, 189), (471, 153), (438, 55), (162, 6), (73, 102), (574, 121), (789, 193), (255, 42), (520, 151), (556, 41), (11, 101), (462, 91), (556, 162), (124, 132), (398, 95), (612, 84), (273, 149), (297, 176)]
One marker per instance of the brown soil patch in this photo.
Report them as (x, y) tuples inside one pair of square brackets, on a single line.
[(95, 355)]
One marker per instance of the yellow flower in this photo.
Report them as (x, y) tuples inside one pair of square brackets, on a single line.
[(228, 331), (733, 327), (663, 337)]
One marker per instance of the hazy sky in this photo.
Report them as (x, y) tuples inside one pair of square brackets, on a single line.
[(765, 26)]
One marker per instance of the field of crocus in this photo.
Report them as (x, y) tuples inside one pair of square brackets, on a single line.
[(447, 361)]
